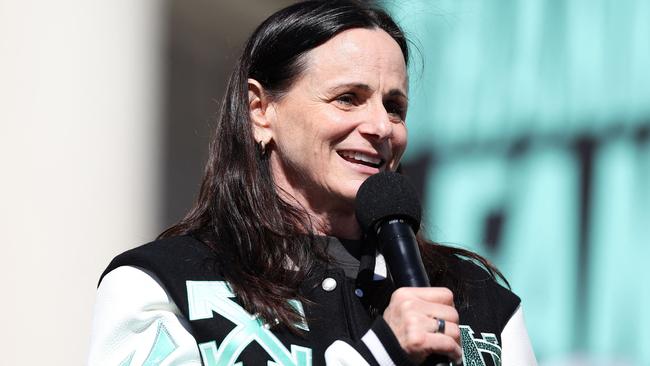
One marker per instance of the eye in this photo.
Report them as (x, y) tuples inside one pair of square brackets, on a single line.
[(347, 99), (396, 109)]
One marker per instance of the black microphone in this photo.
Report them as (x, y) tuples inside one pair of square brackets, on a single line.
[(387, 206)]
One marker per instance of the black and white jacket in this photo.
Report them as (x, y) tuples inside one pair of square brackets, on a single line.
[(165, 303)]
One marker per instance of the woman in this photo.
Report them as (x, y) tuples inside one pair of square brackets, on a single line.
[(270, 265)]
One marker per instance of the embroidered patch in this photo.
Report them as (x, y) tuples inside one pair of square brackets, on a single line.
[(127, 360), (206, 297), (162, 347), (474, 349)]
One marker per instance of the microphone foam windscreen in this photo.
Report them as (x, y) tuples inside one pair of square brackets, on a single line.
[(387, 195)]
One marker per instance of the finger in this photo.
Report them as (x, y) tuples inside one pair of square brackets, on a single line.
[(445, 345), (439, 311), (422, 314), (450, 329), (417, 325), (417, 304), (431, 343), (439, 325), (440, 295), (432, 310)]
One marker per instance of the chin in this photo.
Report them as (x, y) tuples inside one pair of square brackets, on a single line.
[(343, 192), (349, 193)]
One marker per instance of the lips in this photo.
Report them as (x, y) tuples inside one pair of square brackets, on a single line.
[(362, 158)]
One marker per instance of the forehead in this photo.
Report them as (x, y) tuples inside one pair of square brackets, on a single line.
[(368, 54)]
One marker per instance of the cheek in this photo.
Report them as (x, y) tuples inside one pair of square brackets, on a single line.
[(335, 126), (304, 147), (399, 141)]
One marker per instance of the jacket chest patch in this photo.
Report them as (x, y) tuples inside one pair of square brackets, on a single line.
[(208, 297), (475, 349)]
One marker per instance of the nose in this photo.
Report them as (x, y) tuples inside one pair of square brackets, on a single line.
[(377, 124)]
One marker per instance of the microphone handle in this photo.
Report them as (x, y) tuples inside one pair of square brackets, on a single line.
[(400, 248)]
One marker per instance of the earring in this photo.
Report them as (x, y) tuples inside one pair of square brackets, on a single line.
[(262, 146)]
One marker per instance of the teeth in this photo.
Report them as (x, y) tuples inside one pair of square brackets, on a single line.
[(361, 157), (367, 159)]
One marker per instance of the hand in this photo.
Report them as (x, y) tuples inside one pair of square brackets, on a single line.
[(412, 316)]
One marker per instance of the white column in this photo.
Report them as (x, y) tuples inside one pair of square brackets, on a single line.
[(79, 101)]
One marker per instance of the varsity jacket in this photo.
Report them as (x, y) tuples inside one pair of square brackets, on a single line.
[(193, 317)]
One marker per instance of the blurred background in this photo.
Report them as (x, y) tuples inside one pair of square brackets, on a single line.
[(529, 141)]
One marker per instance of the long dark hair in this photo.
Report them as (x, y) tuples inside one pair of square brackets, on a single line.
[(257, 237)]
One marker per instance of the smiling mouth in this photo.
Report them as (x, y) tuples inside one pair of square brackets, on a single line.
[(361, 158)]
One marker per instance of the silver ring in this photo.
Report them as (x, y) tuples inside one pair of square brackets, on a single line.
[(441, 326)]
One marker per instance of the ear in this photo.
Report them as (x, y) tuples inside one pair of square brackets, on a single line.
[(261, 114)]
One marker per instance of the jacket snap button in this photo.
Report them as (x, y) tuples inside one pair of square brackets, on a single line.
[(329, 284), (358, 292)]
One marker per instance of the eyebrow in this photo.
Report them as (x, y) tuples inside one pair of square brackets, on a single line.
[(397, 93), (366, 87)]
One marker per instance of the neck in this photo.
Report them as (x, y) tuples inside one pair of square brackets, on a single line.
[(331, 221), (333, 216), (340, 225), (327, 219)]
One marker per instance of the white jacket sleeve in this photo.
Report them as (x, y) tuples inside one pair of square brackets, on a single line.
[(516, 349), (135, 322)]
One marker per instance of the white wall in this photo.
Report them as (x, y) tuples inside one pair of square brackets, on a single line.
[(79, 95)]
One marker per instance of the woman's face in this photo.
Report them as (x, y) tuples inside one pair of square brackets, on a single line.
[(341, 121)]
